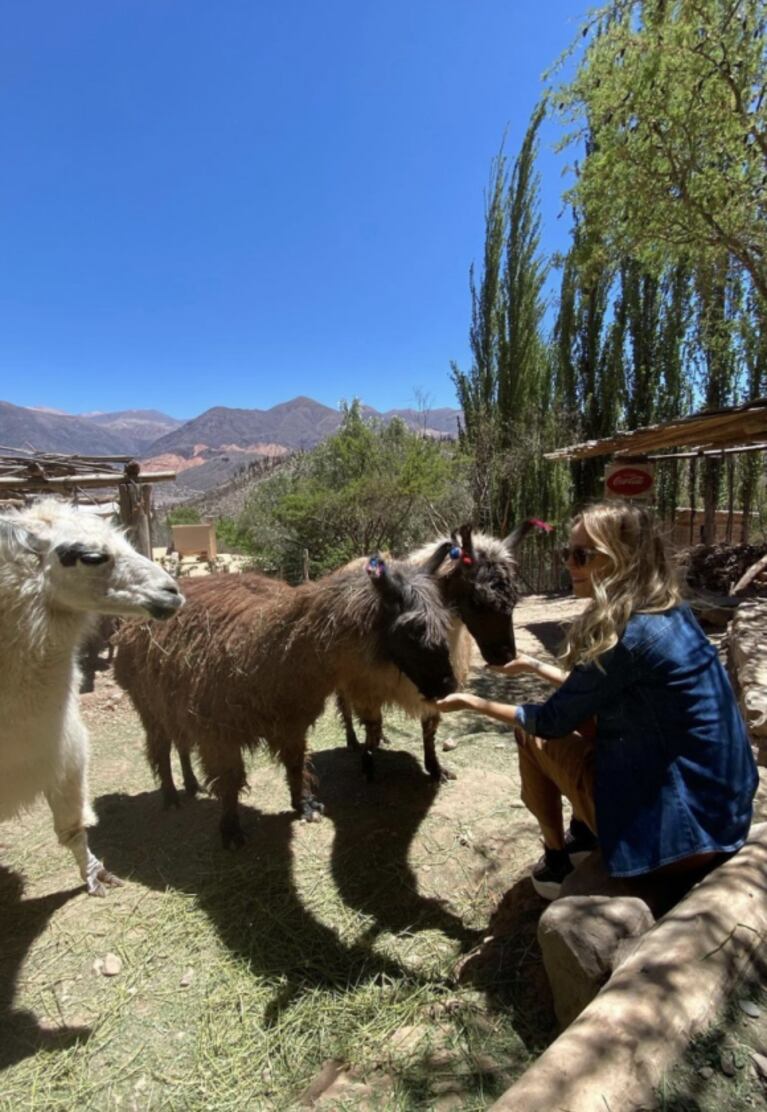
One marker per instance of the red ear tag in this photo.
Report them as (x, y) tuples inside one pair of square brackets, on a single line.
[(467, 560)]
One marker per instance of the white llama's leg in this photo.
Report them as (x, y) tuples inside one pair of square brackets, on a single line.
[(72, 814)]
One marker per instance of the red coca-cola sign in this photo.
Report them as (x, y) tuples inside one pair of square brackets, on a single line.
[(629, 481)]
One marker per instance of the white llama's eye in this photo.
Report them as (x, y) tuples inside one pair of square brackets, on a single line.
[(69, 554), (93, 558)]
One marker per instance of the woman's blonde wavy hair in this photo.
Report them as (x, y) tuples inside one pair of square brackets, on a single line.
[(640, 578)]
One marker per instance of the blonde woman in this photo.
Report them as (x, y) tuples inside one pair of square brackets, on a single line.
[(665, 778)]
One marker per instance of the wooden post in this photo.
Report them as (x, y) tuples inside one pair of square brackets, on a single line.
[(305, 564), (730, 497), (134, 517), (693, 469), (710, 484)]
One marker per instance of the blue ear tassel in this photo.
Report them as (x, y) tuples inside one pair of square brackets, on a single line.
[(375, 566), (455, 552)]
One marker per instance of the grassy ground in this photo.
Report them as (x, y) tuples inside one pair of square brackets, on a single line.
[(241, 973), (719, 1071)]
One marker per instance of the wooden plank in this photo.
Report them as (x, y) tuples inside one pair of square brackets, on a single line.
[(739, 425), (66, 482)]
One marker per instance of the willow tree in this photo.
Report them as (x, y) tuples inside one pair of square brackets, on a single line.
[(671, 94)]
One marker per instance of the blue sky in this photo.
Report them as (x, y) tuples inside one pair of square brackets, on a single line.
[(232, 202)]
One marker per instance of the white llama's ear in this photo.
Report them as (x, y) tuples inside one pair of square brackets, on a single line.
[(18, 541)]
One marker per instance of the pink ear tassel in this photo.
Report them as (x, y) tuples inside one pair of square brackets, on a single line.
[(536, 521)]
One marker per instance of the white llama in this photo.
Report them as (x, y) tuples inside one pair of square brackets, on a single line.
[(59, 568)]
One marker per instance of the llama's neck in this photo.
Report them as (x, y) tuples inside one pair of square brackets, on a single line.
[(33, 633)]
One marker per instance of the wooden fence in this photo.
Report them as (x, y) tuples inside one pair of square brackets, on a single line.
[(540, 566)]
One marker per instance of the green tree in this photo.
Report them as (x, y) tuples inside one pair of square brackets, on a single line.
[(506, 395), (367, 488), (670, 94)]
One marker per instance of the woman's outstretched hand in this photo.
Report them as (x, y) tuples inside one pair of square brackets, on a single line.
[(521, 663), (460, 700)]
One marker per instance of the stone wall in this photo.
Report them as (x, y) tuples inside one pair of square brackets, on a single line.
[(747, 664)]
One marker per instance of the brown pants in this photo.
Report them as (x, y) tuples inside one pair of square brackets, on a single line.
[(549, 770), (564, 766)]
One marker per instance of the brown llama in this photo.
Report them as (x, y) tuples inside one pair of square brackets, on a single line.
[(478, 581), (251, 660)]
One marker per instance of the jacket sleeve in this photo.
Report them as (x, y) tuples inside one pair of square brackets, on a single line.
[(584, 692)]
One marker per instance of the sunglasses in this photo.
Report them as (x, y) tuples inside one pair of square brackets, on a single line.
[(580, 556)]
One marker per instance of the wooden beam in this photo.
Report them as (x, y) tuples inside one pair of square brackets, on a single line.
[(724, 428), (67, 482), (761, 447)]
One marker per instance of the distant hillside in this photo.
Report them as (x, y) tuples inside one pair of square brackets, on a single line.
[(299, 424), (205, 451), (434, 422), (43, 431), (140, 426)]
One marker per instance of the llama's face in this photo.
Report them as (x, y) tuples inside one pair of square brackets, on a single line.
[(414, 631), (88, 565), (485, 594)]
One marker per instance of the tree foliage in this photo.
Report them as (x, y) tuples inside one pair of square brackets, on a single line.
[(670, 96), (506, 393)]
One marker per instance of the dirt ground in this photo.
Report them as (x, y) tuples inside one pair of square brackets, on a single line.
[(225, 980)]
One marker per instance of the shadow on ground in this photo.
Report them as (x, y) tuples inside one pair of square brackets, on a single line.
[(21, 922), (250, 896)]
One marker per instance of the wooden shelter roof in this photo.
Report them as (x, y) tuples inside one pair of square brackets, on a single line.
[(739, 427)]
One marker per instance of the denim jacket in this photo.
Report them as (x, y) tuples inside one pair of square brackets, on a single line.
[(675, 774)]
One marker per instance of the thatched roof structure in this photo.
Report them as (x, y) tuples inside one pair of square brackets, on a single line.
[(737, 429)]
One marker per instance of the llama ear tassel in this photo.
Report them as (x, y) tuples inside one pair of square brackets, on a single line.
[(376, 567), (516, 537)]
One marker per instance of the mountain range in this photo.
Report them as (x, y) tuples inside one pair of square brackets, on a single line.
[(205, 450)]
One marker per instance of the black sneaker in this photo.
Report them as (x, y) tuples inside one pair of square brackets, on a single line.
[(551, 870), (580, 841)]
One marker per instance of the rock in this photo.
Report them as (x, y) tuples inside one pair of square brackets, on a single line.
[(112, 965), (706, 1072), (750, 1008), (760, 1064), (449, 744), (727, 1063), (329, 1071), (579, 937), (449, 1102), (591, 878), (187, 978)]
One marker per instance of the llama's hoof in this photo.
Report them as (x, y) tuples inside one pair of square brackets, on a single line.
[(441, 775), (369, 765), (311, 809), (352, 743), (191, 787), (101, 880), (170, 798), (232, 836)]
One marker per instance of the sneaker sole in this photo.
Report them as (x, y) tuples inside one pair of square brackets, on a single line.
[(580, 856), (549, 889)]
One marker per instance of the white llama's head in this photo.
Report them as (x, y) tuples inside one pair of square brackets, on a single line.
[(85, 562)]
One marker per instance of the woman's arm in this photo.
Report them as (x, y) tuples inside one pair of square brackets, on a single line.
[(580, 696), (524, 663), (464, 700)]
